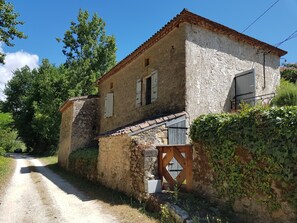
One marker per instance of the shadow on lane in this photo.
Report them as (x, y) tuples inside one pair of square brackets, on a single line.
[(57, 180), (78, 186)]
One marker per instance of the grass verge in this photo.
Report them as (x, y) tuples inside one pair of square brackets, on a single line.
[(118, 204), (7, 166)]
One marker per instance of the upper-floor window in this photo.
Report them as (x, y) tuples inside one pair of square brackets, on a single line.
[(151, 89), (148, 92)]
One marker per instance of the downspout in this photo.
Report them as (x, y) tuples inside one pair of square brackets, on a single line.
[(264, 70)]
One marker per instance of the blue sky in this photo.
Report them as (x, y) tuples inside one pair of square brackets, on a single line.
[(133, 22)]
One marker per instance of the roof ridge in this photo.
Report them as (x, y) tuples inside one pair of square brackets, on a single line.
[(192, 18)]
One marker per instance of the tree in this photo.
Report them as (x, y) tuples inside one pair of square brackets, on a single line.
[(9, 139), (289, 72), (33, 98), (19, 102), (50, 87), (8, 24), (89, 53)]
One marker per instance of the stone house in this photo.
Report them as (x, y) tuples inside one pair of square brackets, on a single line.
[(191, 66)]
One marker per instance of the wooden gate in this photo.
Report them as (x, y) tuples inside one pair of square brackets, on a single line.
[(183, 155)]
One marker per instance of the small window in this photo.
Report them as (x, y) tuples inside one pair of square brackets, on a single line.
[(146, 62), (151, 88), (108, 105), (148, 93)]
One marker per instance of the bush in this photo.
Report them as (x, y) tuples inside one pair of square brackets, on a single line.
[(286, 94), (290, 73)]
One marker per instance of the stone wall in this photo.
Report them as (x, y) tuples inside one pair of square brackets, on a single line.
[(125, 162), (78, 126), (83, 162), (167, 57), (212, 61), (247, 209), (114, 160), (84, 126), (65, 136)]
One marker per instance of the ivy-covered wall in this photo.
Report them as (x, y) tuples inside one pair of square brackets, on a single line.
[(249, 161)]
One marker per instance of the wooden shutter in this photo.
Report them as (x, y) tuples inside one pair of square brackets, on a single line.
[(154, 86), (138, 93), (108, 105)]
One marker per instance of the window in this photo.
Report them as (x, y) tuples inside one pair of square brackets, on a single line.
[(148, 93), (108, 105), (151, 88)]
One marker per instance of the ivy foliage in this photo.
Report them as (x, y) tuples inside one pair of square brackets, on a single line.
[(252, 150)]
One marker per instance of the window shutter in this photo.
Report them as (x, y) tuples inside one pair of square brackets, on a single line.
[(108, 105), (138, 93), (154, 85)]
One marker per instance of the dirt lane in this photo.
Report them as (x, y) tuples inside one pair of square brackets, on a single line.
[(36, 194)]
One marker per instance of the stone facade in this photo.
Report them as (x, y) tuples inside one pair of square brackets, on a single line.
[(125, 162), (167, 57), (78, 126), (212, 61), (196, 60)]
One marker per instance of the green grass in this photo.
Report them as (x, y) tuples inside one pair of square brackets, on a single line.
[(7, 166), (49, 160)]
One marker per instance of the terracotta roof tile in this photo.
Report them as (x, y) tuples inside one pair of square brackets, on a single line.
[(149, 123)]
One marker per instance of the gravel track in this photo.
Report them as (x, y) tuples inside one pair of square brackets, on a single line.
[(36, 194)]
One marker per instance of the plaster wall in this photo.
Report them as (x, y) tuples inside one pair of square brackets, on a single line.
[(212, 61), (167, 57)]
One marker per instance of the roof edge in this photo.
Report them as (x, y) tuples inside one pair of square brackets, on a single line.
[(70, 101), (191, 18)]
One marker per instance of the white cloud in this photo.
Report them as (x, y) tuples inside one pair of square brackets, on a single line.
[(14, 61)]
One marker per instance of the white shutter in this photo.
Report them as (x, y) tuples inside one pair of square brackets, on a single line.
[(108, 105), (154, 85), (138, 93)]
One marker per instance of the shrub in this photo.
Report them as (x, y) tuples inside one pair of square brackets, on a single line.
[(286, 94), (290, 74)]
